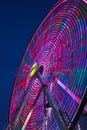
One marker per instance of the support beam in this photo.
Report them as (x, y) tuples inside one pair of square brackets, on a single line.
[(60, 122)]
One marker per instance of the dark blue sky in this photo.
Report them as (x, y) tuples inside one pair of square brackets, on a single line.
[(18, 20)]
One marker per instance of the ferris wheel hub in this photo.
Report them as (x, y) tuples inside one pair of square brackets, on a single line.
[(33, 69)]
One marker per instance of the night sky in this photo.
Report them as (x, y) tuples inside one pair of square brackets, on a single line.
[(18, 20)]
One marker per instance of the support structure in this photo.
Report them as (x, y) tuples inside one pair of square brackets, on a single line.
[(59, 121)]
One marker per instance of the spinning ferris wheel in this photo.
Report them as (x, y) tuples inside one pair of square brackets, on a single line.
[(49, 91)]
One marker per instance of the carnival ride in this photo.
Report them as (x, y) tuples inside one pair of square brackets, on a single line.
[(50, 88)]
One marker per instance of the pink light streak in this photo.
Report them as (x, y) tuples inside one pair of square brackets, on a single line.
[(77, 99), (85, 1)]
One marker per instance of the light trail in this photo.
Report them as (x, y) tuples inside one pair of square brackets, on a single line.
[(77, 99), (27, 119)]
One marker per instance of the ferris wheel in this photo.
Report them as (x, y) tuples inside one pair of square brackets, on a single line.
[(50, 88)]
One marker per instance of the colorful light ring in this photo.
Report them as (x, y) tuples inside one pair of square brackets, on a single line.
[(60, 46)]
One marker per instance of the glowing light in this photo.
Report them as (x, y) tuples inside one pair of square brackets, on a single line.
[(85, 1), (33, 70), (27, 119), (77, 99)]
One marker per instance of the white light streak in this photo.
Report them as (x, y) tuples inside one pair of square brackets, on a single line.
[(27, 119)]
